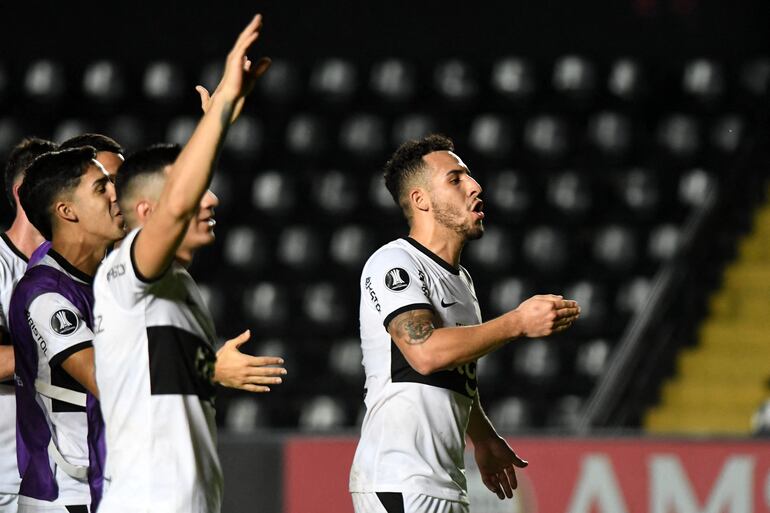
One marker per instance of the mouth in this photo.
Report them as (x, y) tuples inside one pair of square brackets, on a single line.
[(210, 221), (477, 209)]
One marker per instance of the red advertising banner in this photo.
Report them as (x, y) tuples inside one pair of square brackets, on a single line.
[(568, 475)]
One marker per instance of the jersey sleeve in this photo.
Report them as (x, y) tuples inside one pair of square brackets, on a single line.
[(58, 327), (394, 284), (121, 277)]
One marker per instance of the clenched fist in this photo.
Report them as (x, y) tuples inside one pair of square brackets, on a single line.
[(547, 314)]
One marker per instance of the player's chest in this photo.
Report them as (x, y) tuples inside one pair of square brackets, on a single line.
[(453, 300)]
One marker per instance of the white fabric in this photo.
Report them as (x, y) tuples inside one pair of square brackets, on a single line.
[(12, 267), (413, 434), (413, 503), (9, 503), (161, 447)]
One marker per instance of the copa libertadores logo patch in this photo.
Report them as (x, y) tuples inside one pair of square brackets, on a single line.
[(65, 322), (397, 279)]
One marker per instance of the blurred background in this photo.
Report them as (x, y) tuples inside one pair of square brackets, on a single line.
[(623, 150)]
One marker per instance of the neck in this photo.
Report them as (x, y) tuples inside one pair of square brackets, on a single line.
[(445, 243), (84, 255), (184, 256), (23, 235)]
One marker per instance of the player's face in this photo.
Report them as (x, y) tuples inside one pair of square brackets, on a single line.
[(454, 195), (96, 206), (200, 231)]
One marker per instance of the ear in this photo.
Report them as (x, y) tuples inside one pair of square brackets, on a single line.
[(15, 192), (419, 199), (65, 211), (143, 210)]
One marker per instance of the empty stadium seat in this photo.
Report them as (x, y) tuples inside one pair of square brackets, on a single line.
[(455, 80), (574, 76), (266, 303), (626, 81), (495, 250), (491, 135), (547, 136), (537, 360), (69, 128), (322, 413), (306, 135), (350, 246), (282, 84), (510, 414), (163, 82), (703, 80), (299, 247), (513, 78), (393, 80), (592, 357), (363, 135), (506, 293), (545, 248), (44, 80), (103, 81), (245, 248), (334, 80), (272, 191), (508, 191), (412, 126), (345, 360)]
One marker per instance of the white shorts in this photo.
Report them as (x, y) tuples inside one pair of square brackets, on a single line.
[(390, 502), (9, 503)]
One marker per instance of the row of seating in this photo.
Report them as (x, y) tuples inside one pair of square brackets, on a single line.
[(703, 80)]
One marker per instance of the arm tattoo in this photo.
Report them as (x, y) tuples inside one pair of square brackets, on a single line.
[(417, 328)]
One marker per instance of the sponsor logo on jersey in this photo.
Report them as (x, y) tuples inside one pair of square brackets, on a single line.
[(397, 279), (116, 271), (372, 294), (65, 322), (424, 287), (447, 304)]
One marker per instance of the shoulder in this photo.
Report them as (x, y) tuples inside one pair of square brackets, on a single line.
[(391, 255)]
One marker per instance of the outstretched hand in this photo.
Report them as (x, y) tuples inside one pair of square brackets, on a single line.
[(235, 369), (497, 464), (240, 73)]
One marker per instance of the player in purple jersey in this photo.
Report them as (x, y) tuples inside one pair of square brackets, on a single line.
[(69, 196), (17, 243)]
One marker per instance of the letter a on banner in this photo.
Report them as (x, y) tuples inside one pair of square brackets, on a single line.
[(672, 491), (597, 485)]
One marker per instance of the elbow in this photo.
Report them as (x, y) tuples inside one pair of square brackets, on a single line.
[(427, 365)]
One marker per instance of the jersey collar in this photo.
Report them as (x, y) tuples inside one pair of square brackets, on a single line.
[(13, 247), (430, 254), (69, 268)]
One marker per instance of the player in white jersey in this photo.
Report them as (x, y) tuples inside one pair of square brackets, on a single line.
[(421, 334), (16, 246), (155, 360)]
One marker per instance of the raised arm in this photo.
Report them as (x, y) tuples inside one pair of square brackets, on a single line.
[(189, 177), (430, 348)]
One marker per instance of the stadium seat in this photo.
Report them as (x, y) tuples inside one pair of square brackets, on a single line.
[(282, 84), (626, 81), (694, 187), (322, 413), (507, 190), (322, 304), (755, 76), (591, 296), (363, 135), (180, 129), (334, 80), (350, 246), (495, 250), (299, 247), (335, 192), (638, 190), (491, 135), (510, 414), (103, 81), (163, 82), (379, 194), (565, 413), (69, 128), (506, 293), (245, 414), (129, 131), (727, 133), (266, 303), (44, 80), (546, 136), (273, 192), (454, 79), (245, 248), (611, 133), (244, 139), (305, 135), (615, 247), (574, 76), (545, 248), (679, 136), (345, 360), (570, 193), (412, 126), (536, 360), (513, 78), (703, 81), (664, 242), (592, 358), (10, 134), (632, 295), (393, 80)]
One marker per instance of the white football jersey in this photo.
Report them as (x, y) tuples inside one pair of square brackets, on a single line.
[(154, 355), (413, 433), (13, 263)]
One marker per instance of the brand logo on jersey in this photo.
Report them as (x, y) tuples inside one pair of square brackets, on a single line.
[(65, 322), (397, 279), (447, 305)]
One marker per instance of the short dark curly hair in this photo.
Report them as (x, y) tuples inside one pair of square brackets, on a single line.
[(407, 161), (20, 158), (97, 141), (49, 177)]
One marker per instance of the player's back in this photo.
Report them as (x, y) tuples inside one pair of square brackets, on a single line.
[(13, 263), (154, 355)]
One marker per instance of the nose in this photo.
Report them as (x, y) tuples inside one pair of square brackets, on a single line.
[(209, 200), (474, 186)]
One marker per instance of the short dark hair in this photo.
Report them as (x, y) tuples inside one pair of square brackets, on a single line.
[(407, 160), (19, 160), (97, 141), (142, 163), (49, 176)]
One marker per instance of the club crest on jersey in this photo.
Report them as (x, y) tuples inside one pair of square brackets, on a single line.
[(397, 279), (65, 322)]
